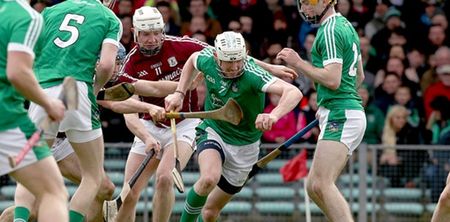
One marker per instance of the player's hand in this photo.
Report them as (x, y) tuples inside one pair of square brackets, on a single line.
[(289, 56), (174, 102), (152, 144), (157, 113), (283, 72), (264, 121), (55, 109)]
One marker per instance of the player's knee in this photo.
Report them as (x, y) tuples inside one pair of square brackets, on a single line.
[(106, 189), (315, 188), (208, 182), (163, 180), (210, 214)]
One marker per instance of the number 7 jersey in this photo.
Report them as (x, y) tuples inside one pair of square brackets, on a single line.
[(74, 33), (338, 42)]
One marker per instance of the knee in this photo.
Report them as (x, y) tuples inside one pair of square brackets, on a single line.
[(163, 181), (315, 188), (210, 214), (208, 182), (106, 189)]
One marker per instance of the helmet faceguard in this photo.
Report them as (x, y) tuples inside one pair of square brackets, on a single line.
[(230, 47), (314, 19), (148, 19)]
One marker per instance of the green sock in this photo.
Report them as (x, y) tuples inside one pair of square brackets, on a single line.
[(21, 214), (193, 206), (75, 216)]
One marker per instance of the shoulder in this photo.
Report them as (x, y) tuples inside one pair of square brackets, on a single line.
[(184, 42)]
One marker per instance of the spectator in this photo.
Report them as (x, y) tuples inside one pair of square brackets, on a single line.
[(377, 22), (171, 26), (404, 98), (127, 39), (441, 88), (307, 115), (282, 130), (374, 116), (400, 166), (441, 57), (384, 94)]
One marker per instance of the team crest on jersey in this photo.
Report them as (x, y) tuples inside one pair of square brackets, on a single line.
[(234, 87), (333, 126), (172, 61)]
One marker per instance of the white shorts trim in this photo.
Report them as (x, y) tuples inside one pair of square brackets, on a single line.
[(185, 133)]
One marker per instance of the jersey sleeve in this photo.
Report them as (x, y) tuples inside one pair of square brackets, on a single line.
[(203, 59), (114, 33), (332, 45), (259, 77), (25, 33)]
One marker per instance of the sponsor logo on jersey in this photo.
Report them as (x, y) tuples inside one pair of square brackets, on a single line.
[(211, 79), (172, 61), (142, 73)]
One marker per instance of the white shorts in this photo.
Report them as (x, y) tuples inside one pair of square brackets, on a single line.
[(345, 126), (81, 125), (61, 149), (185, 133), (12, 142), (238, 161)]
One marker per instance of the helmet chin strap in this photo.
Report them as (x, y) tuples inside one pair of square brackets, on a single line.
[(316, 19)]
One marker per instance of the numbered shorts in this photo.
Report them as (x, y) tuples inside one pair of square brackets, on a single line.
[(61, 149), (185, 133), (81, 125), (12, 142), (237, 161), (345, 126)]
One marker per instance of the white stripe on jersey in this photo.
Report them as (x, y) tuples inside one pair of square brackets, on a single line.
[(35, 27), (184, 39), (330, 43), (127, 58)]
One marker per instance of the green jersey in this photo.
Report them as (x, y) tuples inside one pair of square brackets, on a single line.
[(75, 31), (248, 90), (20, 29), (338, 42)]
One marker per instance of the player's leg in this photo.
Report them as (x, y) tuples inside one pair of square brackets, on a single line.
[(26, 203), (127, 211), (321, 180), (238, 163), (341, 132), (69, 166), (217, 200), (164, 198), (442, 211), (45, 182)]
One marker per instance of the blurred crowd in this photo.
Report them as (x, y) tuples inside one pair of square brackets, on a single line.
[(405, 52)]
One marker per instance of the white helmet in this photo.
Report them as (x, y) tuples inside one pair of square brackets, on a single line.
[(148, 19), (230, 46)]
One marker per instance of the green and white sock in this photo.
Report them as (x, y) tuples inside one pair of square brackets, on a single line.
[(193, 206), (75, 216), (21, 214)]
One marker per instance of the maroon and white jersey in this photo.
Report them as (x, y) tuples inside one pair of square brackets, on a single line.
[(166, 65)]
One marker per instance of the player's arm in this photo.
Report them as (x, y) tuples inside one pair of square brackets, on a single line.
[(174, 101), (279, 71), (138, 129), (20, 73), (131, 105), (105, 66), (154, 88), (329, 76), (289, 97), (360, 73)]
